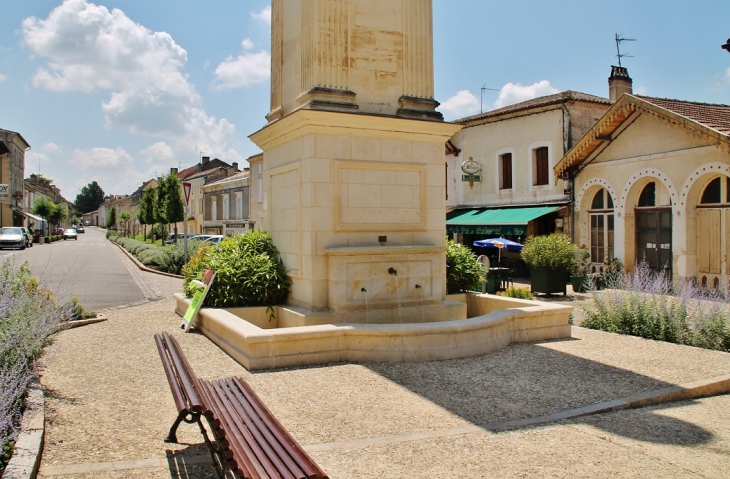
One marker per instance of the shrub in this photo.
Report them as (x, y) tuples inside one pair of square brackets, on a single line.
[(249, 272), (463, 270), (520, 293), (29, 318), (648, 305), (172, 257), (554, 251)]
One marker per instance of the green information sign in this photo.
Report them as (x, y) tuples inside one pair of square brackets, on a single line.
[(198, 298), (471, 177)]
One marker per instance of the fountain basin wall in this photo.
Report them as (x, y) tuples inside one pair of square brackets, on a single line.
[(261, 344)]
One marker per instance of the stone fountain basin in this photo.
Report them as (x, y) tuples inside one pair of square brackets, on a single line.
[(492, 323)]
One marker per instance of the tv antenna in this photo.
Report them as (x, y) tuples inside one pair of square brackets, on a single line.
[(481, 97), (619, 55), (200, 152)]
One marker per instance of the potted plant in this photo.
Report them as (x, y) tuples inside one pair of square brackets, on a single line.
[(549, 258), (579, 270)]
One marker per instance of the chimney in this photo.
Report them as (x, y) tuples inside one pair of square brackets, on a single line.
[(234, 166), (619, 83), (173, 171), (206, 160)]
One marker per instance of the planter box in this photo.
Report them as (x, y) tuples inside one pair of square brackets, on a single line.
[(548, 281), (579, 283)]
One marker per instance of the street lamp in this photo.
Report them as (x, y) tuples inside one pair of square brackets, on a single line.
[(17, 196), (726, 46)]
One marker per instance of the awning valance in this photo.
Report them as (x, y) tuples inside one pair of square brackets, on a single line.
[(504, 221), (29, 215)]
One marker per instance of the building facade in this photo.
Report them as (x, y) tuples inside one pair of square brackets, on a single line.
[(12, 170)]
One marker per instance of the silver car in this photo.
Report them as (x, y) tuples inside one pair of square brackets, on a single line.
[(70, 233), (12, 237)]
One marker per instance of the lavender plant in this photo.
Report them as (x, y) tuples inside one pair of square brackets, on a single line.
[(646, 304), (29, 318)]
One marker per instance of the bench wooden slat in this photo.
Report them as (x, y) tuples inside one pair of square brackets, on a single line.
[(187, 380), (177, 396), (273, 452), (269, 430), (242, 452), (294, 450)]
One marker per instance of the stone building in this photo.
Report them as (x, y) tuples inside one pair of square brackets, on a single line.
[(226, 205), (12, 172), (498, 167), (652, 182)]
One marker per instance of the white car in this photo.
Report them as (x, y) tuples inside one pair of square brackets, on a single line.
[(70, 233), (12, 237)]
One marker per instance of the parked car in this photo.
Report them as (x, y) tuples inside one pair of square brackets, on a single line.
[(70, 233), (180, 237), (12, 237), (215, 239), (28, 237), (57, 231), (80, 229)]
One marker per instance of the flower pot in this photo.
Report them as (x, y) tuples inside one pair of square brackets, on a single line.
[(579, 283), (548, 281), (492, 284)]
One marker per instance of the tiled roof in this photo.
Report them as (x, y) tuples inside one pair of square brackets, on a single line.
[(541, 101), (710, 115), (238, 176)]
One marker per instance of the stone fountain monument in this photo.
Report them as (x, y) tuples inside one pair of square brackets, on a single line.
[(354, 200), (353, 160)]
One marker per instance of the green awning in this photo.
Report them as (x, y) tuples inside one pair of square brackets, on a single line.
[(505, 221)]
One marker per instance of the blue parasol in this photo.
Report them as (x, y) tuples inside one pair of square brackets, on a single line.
[(496, 242)]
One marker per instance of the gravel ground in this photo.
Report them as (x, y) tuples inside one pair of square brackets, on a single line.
[(108, 407)]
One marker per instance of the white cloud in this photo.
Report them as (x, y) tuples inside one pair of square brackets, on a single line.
[(464, 103), (34, 160), (89, 48), (264, 15), (3, 77), (727, 75), (158, 151), (100, 158), (243, 71), (513, 93), (641, 90), (51, 148)]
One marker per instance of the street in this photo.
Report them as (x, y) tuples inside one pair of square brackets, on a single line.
[(89, 268)]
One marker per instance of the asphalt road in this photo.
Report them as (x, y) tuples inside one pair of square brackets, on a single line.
[(89, 268)]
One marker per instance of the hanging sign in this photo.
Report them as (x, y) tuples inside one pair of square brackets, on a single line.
[(471, 177), (186, 189), (198, 298), (4, 190)]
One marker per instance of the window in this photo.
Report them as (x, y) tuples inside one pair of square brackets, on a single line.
[(260, 190), (712, 193), (602, 226), (541, 164), (226, 208), (648, 195), (213, 208), (505, 166), (239, 206)]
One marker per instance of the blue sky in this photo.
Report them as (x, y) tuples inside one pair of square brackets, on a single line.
[(119, 91)]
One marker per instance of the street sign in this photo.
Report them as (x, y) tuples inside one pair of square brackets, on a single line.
[(186, 189), (4, 190), (471, 177)]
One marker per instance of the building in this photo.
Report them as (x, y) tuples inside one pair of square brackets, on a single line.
[(226, 205), (652, 183), (498, 167), (256, 190), (12, 172)]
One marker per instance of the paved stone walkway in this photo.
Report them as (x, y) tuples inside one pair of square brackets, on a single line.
[(108, 407)]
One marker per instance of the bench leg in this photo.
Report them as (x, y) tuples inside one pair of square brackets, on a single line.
[(172, 435), (217, 458)]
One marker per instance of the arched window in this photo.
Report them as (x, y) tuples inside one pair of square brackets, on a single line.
[(714, 193), (602, 226), (648, 195)]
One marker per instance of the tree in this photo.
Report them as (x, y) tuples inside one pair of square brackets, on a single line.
[(174, 209), (111, 217), (124, 218), (146, 215), (43, 207), (57, 215), (159, 209), (90, 198)]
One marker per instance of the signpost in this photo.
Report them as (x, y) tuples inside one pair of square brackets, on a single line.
[(187, 187), (198, 298)]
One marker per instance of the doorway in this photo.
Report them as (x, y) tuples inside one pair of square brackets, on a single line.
[(654, 239)]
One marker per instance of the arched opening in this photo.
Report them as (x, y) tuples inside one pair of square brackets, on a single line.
[(713, 230), (601, 227), (653, 228)]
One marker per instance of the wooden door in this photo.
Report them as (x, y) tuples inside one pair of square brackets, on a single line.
[(654, 238)]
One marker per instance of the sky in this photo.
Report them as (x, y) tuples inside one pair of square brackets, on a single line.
[(120, 91)]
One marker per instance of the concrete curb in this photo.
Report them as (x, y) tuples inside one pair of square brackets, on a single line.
[(143, 267), (28, 449), (83, 322)]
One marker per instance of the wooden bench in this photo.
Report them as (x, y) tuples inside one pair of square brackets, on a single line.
[(249, 441)]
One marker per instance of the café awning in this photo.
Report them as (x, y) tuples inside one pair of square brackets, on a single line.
[(495, 221), (29, 215)]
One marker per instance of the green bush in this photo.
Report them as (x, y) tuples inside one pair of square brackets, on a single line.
[(249, 272), (554, 251), (520, 293), (172, 257), (463, 270)]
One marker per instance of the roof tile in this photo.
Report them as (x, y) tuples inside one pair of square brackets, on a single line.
[(710, 115)]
